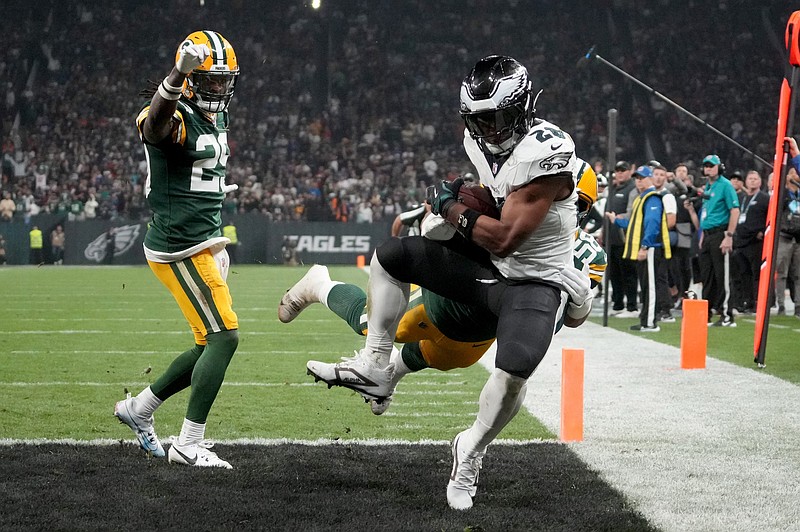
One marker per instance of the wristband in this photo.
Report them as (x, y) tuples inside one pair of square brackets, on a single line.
[(164, 93), (578, 312), (172, 88), (466, 221)]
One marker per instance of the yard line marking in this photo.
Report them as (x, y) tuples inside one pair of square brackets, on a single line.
[(429, 414), (175, 320), (187, 331), (776, 325), (161, 352), (23, 384), (265, 442), (96, 384)]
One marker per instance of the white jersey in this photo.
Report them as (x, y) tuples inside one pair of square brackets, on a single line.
[(546, 150)]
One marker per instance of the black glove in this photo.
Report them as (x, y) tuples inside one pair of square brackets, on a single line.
[(443, 195)]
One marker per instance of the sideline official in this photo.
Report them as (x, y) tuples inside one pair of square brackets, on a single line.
[(718, 221)]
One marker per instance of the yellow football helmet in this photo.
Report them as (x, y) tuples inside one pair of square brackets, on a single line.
[(211, 84), (587, 188)]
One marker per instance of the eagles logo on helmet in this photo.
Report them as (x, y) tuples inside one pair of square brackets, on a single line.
[(497, 104), (210, 86)]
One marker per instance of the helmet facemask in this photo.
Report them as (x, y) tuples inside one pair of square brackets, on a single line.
[(500, 130), (212, 91)]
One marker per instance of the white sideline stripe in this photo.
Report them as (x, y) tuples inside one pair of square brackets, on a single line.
[(186, 332), (131, 384), (776, 325), (160, 320), (162, 352), (712, 450), (429, 414), (95, 384), (322, 442)]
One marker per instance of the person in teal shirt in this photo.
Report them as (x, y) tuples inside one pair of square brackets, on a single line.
[(718, 221)]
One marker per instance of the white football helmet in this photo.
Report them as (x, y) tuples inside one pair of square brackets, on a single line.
[(497, 104)]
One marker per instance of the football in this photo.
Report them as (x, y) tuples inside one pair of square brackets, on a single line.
[(478, 199)]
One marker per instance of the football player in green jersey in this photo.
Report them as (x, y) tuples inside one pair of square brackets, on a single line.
[(440, 333), (184, 130)]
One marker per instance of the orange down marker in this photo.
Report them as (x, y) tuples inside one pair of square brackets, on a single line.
[(694, 334), (571, 395), (361, 261)]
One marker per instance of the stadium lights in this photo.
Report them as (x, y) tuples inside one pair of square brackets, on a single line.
[(316, 4)]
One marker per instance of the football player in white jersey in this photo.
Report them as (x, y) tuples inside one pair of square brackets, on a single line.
[(528, 166)]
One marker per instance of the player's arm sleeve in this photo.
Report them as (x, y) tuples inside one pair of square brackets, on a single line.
[(178, 125)]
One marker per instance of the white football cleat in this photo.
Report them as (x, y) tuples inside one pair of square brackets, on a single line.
[(464, 478), (379, 407), (197, 454), (303, 293), (141, 427), (357, 373)]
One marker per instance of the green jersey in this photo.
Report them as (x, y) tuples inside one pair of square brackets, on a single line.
[(469, 323), (185, 179)]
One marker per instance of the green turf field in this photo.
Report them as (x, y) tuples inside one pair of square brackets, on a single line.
[(73, 339), (735, 345)]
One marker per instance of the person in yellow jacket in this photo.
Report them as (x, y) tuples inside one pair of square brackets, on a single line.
[(647, 242), (36, 245), (229, 232)]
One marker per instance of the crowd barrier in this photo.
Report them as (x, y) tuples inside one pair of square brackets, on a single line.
[(260, 240)]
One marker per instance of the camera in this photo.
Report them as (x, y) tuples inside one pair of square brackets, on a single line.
[(693, 195)]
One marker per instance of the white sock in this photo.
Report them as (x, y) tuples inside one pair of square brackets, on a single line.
[(191, 433), (324, 290), (146, 403), (400, 368), (501, 397), (387, 300)]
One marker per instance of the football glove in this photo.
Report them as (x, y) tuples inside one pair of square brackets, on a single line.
[(579, 288), (226, 189), (191, 57), (434, 227), (443, 195)]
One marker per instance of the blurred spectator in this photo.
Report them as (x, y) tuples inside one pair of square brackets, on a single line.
[(621, 272), (289, 251), (229, 232), (738, 185), (7, 207), (686, 226), (748, 242), (375, 138), (2, 250), (57, 240), (90, 207), (36, 244)]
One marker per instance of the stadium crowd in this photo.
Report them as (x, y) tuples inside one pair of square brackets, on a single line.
[(349, 112)]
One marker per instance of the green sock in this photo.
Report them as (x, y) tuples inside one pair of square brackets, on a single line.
[(412, 357), (209, 372), (178, 375), (348, 301)]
